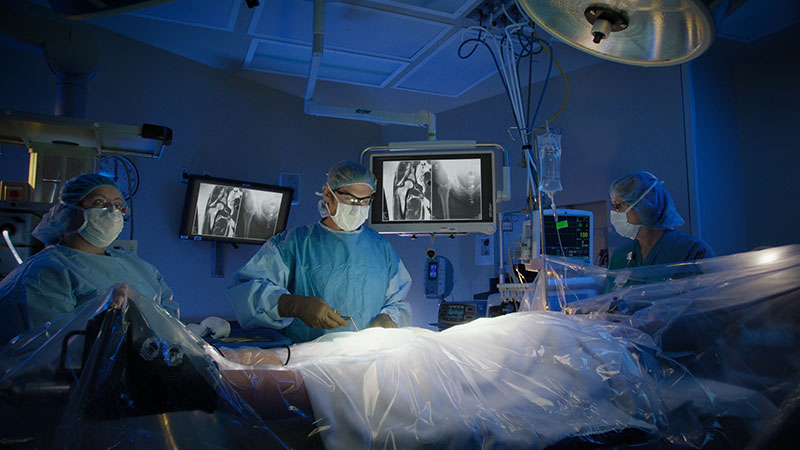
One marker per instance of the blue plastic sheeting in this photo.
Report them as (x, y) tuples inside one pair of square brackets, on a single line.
[(692, 355)]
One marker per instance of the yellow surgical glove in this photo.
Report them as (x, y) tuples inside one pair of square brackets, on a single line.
[(314, 311)]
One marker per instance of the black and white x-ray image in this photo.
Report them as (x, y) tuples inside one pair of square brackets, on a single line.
[(259, 214), (456, 189), (217, 210), (407, 190), (228, 211)]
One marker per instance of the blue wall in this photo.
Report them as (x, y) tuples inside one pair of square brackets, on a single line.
[(745, 142), (717, 152), (768, 109)]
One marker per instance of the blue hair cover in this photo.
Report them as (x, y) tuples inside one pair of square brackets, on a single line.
[(656, 209), (345, 173)]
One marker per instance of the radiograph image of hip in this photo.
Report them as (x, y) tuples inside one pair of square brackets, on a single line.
[(228, 211), (445, 189)]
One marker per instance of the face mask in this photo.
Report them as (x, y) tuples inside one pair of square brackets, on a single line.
[(621, 225), (101, 226), (349, 217), (620, 219)]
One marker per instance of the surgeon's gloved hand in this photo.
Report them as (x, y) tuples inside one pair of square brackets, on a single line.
[(314, 311), (215, 327), (382, 321), (218, 327), (119, 296)]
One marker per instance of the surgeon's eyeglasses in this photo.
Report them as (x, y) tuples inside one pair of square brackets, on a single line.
[(618, 207), (103, 203), (351, 199)]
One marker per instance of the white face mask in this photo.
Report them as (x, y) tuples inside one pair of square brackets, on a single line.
[(349, 217), (620, 219), (621, 225), (101, 226)]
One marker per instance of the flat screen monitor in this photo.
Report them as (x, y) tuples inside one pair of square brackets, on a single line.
[(567, 233), (219, 209), (434, 192)]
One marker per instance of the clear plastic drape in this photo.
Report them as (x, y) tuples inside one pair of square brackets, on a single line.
[(693, 355)]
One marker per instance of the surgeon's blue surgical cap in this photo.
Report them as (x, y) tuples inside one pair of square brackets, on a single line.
[(345, 173), (55, 222), (656, 210)]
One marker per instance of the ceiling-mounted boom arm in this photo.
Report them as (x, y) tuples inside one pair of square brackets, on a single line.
[(310, 107)]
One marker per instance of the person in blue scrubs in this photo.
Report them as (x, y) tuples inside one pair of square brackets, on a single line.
[(76, 266), (642, 210), (321, 272)]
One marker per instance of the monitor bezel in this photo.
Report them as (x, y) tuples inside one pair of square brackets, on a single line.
[(488, 222), (190, 207)]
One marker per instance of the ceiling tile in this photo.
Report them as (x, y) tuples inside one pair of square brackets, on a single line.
[(446, 8), (294, 59), (348, 27), (212, 14), (445, 64)]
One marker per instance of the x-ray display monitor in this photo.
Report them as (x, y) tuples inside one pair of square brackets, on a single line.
[(233, 211), (442, 192)]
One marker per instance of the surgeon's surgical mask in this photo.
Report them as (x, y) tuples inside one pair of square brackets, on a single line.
[(101, 226), (619, 219), (349, 217)]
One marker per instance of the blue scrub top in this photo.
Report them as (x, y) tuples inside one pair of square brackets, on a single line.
[(59, 278), (358, 273), (672, 247)]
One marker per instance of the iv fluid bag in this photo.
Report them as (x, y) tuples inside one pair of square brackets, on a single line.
[(549, 147)]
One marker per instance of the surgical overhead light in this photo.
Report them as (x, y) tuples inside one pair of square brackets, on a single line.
[(637, 32)]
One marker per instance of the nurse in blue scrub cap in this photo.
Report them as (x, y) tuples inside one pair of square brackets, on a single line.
[(643, 211), (76, 266), (305, 279)]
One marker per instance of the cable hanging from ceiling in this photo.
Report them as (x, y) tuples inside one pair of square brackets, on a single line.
[(517, 42)]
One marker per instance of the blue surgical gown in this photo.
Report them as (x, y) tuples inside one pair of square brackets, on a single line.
[(59, 278), (358, 273)]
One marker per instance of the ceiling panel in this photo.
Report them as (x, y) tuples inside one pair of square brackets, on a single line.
[(444, 63), (294, 59), (348, 27), (212, 14), (445, 8)]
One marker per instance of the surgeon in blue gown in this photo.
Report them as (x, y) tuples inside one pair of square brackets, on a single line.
[(643, 211), (320, 272), (76, 266)]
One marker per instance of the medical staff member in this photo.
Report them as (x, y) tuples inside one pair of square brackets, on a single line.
[(642, 210), (76, 266), (320, 272)]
